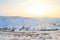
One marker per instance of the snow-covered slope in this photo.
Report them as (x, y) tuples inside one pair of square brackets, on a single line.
[(18, 22)]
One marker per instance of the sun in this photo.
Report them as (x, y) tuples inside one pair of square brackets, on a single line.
[(38, 10)]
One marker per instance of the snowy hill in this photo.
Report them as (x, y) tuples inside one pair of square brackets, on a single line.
[(17, 22)]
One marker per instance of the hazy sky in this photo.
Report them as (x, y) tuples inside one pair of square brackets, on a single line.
[(30, 8)]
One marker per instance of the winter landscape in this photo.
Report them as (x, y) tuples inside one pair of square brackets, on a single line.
[(29, 19), (24, 28)]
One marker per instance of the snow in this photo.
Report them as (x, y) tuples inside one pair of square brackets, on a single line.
[(31, 24), (17, 22)]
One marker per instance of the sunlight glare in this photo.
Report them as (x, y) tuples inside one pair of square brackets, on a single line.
[(38, 10)]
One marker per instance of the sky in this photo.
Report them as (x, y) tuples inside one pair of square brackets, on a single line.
[(30, 8)]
